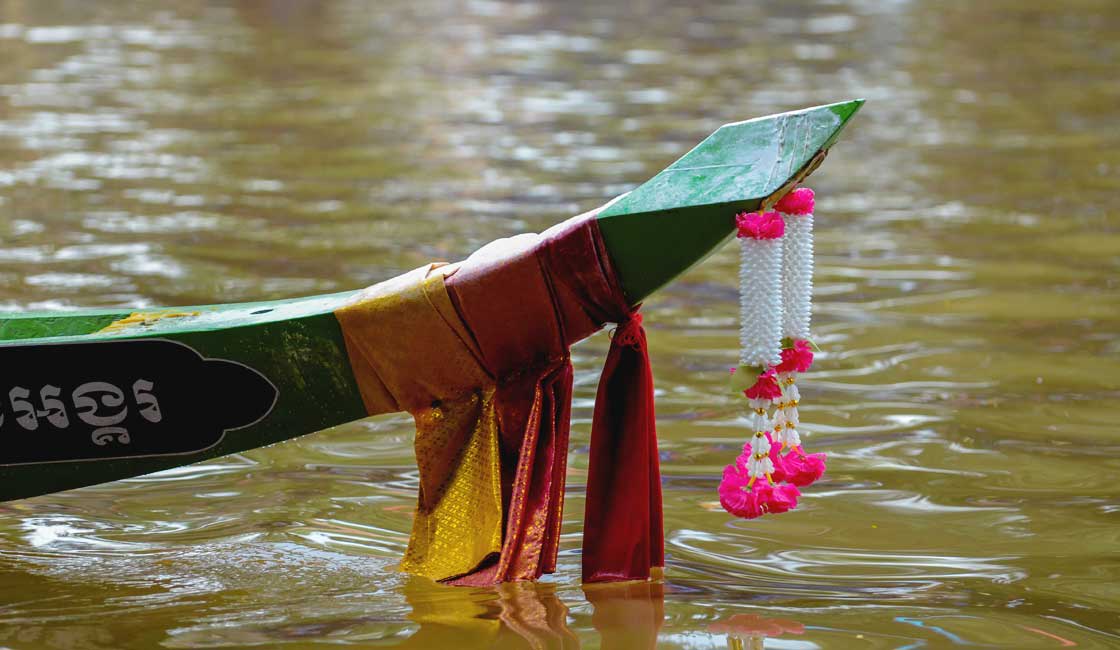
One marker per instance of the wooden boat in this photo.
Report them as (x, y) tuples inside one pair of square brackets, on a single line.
[(94, 396)]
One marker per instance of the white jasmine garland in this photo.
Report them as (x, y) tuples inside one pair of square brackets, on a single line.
[(797, 276), (760, 301)]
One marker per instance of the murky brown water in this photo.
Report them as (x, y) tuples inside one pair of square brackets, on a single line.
[(190, 152)]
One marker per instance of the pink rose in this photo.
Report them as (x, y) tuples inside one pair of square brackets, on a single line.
[(799, 201), (760, 225), (796, 359), (765, 388)]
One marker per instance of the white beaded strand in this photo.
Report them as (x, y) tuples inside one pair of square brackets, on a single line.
[(759, 465), (760, 302), (797, 276), (797, 303), (760, 322)]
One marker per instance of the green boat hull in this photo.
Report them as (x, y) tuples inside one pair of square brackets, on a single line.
[(653, 234)]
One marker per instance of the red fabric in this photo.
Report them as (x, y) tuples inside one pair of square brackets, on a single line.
[(524, 309), (536, 411), (623, 531), (508, 307), (622, 528)]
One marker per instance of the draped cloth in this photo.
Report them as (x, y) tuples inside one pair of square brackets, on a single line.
[(410, 352), (478, 352), (624, 507)]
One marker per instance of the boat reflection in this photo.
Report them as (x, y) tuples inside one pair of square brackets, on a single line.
[(511, 615), (531, 615), (751, 630)]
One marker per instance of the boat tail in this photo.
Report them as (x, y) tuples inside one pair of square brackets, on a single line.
[(103, 395)]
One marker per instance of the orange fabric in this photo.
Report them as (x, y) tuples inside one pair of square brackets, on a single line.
[(410, 352), (407, 345)]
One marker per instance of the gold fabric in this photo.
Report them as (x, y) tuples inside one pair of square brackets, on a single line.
[(409, 351), (458, 522), (406, 344)]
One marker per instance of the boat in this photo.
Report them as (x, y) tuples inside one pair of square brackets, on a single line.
[(94, 396)]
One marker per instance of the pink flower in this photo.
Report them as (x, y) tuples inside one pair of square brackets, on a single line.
[(799, 201), (765, 388), (733, 479), (734, 497), (779, 498), (796, 359), (760, 225), (779, 473), (801, 468), (757, 500)]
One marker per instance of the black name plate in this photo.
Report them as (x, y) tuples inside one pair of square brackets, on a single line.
[(121, 399)]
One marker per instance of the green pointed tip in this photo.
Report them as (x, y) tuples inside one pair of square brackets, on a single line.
[(680, 216), (845, 110)]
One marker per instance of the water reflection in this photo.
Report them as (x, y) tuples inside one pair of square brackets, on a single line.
[(750, 631), (629, 614), (515, 615), (966, 304)]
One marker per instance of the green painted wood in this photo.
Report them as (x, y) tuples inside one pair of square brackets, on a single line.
[(677, 218), (38, 325), (85, 325), (304, 357), (653, 234)]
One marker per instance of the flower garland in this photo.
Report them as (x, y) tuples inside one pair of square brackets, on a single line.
[(797, 354), (775, 292)]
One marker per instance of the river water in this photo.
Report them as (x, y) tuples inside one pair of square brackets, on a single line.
[(967, 305)]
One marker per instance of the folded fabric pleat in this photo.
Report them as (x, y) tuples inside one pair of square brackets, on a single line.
[(503, 296), (407, 344), (535, 505), (459, 506)]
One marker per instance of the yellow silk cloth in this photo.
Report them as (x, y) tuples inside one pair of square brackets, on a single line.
[(410, 351)]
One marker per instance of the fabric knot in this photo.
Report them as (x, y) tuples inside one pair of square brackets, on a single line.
[(630, 333)]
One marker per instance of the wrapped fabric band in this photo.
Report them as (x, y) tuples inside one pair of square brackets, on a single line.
[(478, 353)]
